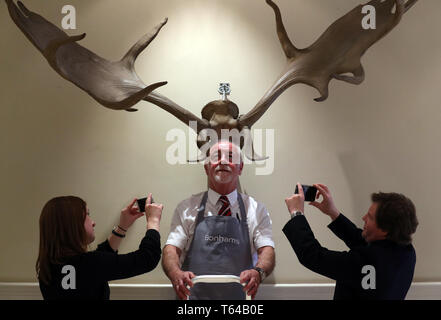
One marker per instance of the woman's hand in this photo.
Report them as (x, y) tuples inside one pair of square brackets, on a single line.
[(296, 202), (129, 215), (153, 212)]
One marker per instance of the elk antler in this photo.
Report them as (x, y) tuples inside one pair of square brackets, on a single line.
[(336, 52), (114, 85)]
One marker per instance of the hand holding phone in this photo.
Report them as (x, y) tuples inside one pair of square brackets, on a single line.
[(327, 205), (153, 213), (141, 204), (310, 192)]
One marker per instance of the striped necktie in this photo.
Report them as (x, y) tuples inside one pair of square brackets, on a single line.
[(225, 209)]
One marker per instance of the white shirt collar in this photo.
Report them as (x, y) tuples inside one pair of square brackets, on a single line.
[(213, 197)]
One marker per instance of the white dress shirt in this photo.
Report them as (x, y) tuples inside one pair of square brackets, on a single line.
[(184, 219)]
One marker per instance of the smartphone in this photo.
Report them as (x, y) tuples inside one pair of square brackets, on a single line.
[(141, 204), (310, 192)]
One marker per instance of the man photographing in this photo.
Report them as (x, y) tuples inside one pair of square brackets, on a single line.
[(383, 247)]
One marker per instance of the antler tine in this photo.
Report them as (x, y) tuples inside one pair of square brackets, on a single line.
[(409, 4), (50, 52), (14, 11), (135, 98), (248, 149), (17, 14), (290, 50), (402, 6), (23, 8), (249, 119), (281, 85), (181, 113), (138, 47), (400, 10)]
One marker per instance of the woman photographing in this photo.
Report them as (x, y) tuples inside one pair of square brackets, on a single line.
[(66, 270)]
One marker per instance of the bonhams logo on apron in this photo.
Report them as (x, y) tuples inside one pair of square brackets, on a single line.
[(219, 238)]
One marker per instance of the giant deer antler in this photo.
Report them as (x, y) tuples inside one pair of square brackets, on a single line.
[(116, 85), (336, 52)]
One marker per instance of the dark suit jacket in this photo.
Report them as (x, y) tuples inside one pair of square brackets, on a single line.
[(394, 264)]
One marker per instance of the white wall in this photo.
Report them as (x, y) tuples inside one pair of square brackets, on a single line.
[(381, 135)]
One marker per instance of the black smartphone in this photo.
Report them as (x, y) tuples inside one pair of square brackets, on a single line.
[(310, 192), (141, 204)]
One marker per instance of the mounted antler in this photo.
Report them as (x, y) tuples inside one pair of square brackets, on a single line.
[(116, 85), (336, 52)]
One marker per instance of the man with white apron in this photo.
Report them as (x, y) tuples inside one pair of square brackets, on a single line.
[(217, 233)]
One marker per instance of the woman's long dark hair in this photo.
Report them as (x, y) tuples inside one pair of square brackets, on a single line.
[(62, 233)]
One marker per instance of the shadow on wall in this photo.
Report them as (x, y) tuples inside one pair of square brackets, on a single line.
[(356, 169)]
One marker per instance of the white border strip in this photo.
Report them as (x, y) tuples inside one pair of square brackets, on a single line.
[(319, 291)]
